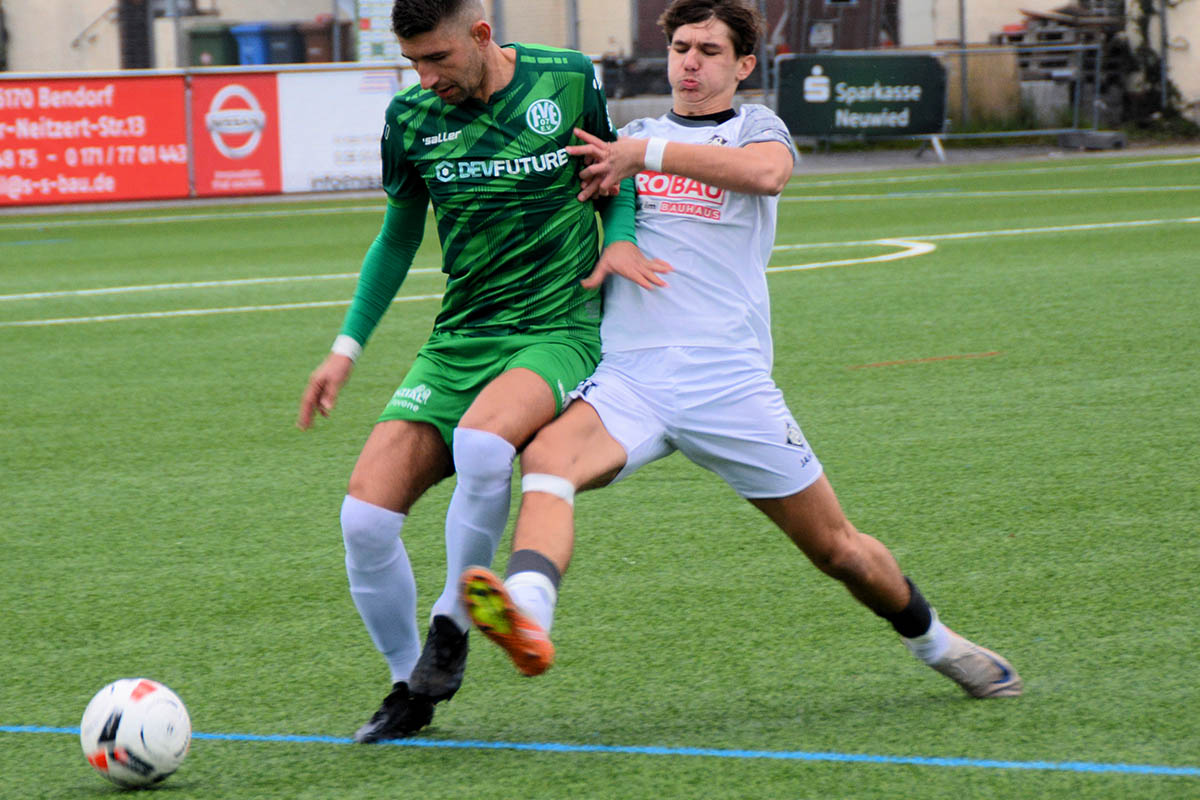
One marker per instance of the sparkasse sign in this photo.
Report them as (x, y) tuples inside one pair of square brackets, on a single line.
[(838, 94)]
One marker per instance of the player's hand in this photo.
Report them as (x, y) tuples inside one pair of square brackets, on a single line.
[(592, 188), (323, 387), (627, 260), (607, 163)]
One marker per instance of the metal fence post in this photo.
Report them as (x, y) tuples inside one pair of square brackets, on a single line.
[(962, 64), (498, 20)]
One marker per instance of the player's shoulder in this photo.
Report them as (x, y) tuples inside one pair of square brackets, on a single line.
[(756, 112), (550, 59), (645, 126)]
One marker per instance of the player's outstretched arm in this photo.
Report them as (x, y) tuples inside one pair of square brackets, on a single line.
[(323, 386), (627, 260), (761, 168)]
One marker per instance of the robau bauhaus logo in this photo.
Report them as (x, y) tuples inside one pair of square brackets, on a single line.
[(235, 121)]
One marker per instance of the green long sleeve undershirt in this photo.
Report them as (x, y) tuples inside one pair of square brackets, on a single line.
[(389, 257)]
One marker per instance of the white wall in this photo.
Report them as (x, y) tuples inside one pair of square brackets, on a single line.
[(60, 35), (272, 10), (1183, 57), (605, 28)]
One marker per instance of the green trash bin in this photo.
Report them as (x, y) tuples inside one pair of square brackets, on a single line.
[(211, 46)]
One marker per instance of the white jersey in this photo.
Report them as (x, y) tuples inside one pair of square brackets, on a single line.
[(717, 240)]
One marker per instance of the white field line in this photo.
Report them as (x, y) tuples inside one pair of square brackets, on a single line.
[(997, 173), (943, 194), (217, 216), (378, 208), (910, 246), (159, 287), (938, 237), (199, 312)]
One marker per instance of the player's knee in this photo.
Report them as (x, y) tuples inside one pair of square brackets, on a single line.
[(369, 532), (481, 456), (842, 557), (547, 454)]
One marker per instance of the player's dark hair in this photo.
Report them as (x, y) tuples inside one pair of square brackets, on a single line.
[(745, 22), (414, 17)]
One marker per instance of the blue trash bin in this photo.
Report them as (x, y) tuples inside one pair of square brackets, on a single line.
[(252, 43)]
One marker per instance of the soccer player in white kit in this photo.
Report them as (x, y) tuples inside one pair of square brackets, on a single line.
[(687, 357)]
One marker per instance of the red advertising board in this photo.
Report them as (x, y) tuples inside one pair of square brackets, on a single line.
[(72, 140), (235, 129)]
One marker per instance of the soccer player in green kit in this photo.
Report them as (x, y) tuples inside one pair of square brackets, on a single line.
[(483, 139)]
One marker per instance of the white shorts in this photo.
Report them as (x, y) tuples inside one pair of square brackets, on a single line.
[(719, 407)]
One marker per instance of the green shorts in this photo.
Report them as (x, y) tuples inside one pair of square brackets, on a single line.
[(450, 371)]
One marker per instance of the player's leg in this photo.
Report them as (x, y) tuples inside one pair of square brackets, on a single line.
[(814, 520), (572, 453), (524, 390), (399, 462), (505, 414), (748, 437)]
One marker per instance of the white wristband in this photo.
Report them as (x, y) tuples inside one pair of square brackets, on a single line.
[(654, 153), (346, 346)]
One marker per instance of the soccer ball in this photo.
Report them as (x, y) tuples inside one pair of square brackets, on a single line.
[(135, 732)]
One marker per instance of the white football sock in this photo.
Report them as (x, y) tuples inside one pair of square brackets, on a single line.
[(477, 514), (381, 582), (533, 593), (931, 645)]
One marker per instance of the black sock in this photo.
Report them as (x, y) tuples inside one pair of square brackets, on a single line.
[(533, 561), (915, 618)]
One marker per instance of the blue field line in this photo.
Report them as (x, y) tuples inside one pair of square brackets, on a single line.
[(705, 752)]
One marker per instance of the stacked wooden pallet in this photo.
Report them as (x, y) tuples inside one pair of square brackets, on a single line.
[(1088, 22)]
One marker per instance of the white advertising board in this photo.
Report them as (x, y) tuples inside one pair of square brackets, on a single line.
[(330, 124)]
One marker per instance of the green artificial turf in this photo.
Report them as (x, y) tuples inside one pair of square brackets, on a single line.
[(1013, 412)]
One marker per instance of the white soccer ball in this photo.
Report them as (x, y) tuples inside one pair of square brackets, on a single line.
[(135, 732)]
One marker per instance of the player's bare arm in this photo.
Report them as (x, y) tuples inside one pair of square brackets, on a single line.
[(760, 168)]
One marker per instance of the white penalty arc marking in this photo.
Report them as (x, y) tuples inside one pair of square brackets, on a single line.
[(908, 249)]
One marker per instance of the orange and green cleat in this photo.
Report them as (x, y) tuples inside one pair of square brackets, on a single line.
[(492, 610)]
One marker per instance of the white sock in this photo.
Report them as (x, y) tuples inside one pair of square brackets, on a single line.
[(534, 594), (478, 512), (381, 582), (931, 645)]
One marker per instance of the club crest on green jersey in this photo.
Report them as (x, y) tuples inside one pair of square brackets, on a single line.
[(544, 117)]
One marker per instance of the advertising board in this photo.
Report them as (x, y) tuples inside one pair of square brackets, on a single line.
[(235, 134), (341, 117), (73, 140), (845, 94)]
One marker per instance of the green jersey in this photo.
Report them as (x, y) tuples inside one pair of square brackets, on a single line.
[(515, 240)]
